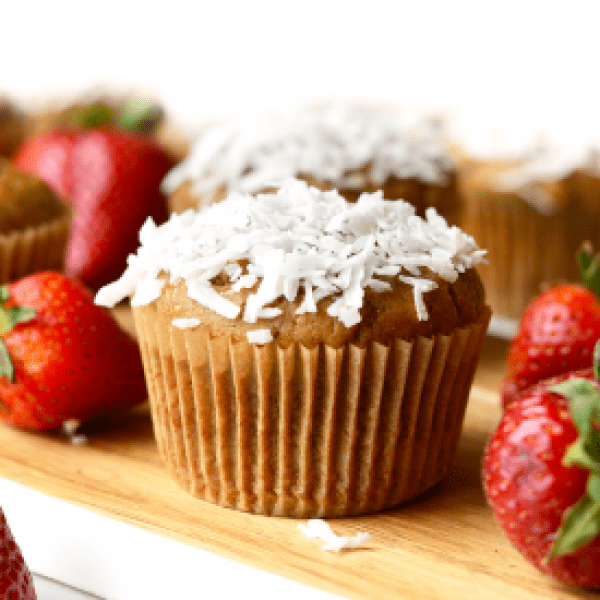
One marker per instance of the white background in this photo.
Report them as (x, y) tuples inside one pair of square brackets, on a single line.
[(504, 71)]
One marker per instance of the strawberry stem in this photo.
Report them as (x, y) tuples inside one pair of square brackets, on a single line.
[(589, 265)]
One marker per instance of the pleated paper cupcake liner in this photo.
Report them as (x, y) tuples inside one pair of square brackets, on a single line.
[(306, 432), (34, 249), (528, 251)]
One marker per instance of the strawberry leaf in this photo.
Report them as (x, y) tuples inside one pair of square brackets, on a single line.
[(12, 315), (6, 365), (584, 403), (580, 525), (20, 314), (593, 487), (93, 114), (577, 454), (589, 265), (8, 319), (141, 114)]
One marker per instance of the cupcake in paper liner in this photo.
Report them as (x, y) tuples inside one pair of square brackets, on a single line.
[(34, 225), (350, 146), (532, 214), (306, 356)]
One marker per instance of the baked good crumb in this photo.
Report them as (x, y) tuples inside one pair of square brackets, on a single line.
[(318, 528)]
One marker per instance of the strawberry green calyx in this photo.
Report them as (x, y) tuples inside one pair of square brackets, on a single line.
[(589, 264), (93, 114), (9, 317), (140, 114), (581, 523), (137, 114)]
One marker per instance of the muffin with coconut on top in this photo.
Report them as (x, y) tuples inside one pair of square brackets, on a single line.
[(306, 356), (350, 146)]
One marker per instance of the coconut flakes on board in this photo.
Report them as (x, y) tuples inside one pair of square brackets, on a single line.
[(318, 528)]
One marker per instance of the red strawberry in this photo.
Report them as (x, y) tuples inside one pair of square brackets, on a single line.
[(112, 178), (61, 356), (541, 476), (557, 332), (15, 579)]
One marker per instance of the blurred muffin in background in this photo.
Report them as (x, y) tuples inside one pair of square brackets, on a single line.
[(532, 214), (349, 146), (13, 122), (34, 225), (139, 112)]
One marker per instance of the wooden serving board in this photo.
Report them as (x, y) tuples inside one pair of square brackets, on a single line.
[(445, 545)]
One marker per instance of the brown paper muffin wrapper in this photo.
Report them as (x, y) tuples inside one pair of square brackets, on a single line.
[(34, 249), (306, 432), (530, 248), (528, 251)]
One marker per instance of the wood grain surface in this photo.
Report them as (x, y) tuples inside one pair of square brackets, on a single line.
[(444, 545)]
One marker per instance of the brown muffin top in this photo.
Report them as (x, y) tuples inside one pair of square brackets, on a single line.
[(301, 264), (384, 315), (25, 200)]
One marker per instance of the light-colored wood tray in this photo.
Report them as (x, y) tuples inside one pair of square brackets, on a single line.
[(445, 545)]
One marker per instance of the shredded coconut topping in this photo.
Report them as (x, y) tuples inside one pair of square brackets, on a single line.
[(260, 336), (298, 239), (185, 323), (317, 528), (328, 141), (69, 428)]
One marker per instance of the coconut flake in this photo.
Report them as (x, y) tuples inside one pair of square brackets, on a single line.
[(183, 323), (207, 296), (420, 287), (259, 336), (318, 528), (69, 428), (298, 240), (147, 290)]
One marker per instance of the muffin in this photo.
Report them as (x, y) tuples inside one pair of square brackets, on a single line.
[(12, 127), (348, 146), (34, 225), (306, 356), (532, 214)]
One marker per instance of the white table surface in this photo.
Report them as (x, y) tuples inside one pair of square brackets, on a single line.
[(50, 589), (69, 548)]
